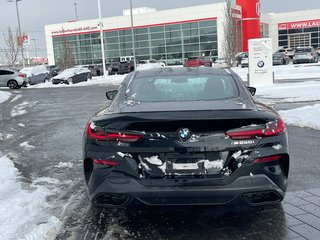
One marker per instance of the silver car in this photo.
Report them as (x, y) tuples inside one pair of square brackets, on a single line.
[(37, 74), (305, 55), (12, 79)]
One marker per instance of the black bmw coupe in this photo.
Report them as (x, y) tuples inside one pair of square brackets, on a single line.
[(185, 136)]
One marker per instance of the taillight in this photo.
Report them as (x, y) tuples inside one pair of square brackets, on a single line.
[(270, 129), (268, 159), (93, 133), (21, 75), (105, 162)]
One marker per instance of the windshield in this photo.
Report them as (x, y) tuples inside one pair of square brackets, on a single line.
[(182, 88)]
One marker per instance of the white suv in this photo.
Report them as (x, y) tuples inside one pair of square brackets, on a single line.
[(12, 79)]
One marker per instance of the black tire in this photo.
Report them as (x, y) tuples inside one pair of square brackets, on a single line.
[(12, 84)]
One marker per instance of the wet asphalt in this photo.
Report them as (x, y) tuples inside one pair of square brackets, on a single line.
[(54, 122)]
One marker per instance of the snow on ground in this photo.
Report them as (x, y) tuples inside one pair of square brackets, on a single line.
[(4, 96), (301, 71), (20, 109), (291, 92), (24, 213), (26, 145), (5, 136), (308, 116), (103, 81), (64, 165)]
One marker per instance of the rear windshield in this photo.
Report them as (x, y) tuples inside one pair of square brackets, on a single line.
[(193, 58), (182, 88), (298, 50)]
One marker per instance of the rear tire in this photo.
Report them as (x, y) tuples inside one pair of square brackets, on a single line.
[(12, 84)]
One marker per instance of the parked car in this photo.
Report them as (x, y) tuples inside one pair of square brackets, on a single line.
[(37, 74), (94, 69), (280, 59), (73, 75), (99, 69), (289, 52), (220, 63), (245, 61), (239, 57), (305, 55), (119, 68), (182, 140), (12, 78), (53, 69), (318, 51), (198, 62)]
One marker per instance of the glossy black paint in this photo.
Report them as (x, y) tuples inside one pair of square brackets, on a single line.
[(159, 123)]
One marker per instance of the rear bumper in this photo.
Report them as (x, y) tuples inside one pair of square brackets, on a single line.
[(246, 189)]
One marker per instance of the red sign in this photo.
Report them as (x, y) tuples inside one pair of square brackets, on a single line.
[(24, 39), (300, 24)]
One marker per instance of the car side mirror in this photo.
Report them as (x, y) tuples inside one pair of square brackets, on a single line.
[(252, 90), (111, 94)]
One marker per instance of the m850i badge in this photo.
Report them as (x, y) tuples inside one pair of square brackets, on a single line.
[(243, 142)]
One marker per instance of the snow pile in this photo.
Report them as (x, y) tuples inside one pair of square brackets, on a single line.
[(308, 116), (4, 96), (150, 66), (103, 81), (26, 145), (23, 211), (292, 92), (64, 165), (302, 71)]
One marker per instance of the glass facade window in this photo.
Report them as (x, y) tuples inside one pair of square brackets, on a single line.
[(170, 43), (302, 37)]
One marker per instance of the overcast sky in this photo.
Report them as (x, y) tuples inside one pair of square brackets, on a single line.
[(34, 14)]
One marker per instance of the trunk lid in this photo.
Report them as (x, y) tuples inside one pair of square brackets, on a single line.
[(184, 143)]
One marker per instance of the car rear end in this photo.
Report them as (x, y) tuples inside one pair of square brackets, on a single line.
[(304, 55), (9, 75), (193, 62), (215, 155), (214, 166)]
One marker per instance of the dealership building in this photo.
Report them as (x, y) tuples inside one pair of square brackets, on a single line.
[(176, 34)]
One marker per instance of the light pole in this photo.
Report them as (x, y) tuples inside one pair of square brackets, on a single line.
[(101, 40), (20, 38), (76, 10), (132, 36), (35, 48)]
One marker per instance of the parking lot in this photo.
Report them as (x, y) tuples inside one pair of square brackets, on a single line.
[(43, 139)]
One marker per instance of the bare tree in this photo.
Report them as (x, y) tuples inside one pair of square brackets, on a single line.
[(65, 54), (11, 47), (232, 34)]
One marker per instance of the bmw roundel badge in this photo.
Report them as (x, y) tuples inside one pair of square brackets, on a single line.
[(260, 64), (184, 134)]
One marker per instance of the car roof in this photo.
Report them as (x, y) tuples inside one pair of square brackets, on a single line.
[(168, 71)]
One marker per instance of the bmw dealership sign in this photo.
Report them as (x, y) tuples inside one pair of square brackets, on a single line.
[(260, 62)]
